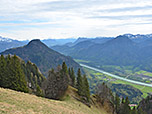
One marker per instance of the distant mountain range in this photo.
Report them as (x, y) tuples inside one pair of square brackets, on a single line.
[(53, 42), (123, 50), (44, 57), (7, 43), (139, 37)]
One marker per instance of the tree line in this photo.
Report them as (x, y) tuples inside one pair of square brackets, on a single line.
[(60, 78), (119, 105), (20, 76), (25, 77), (11, 74)]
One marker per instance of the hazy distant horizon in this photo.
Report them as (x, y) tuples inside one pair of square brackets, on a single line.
[(71, 37), (56, 19)]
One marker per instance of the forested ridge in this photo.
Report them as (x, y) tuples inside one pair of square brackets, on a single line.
[(41, 55), (120, 51), (20, 76)]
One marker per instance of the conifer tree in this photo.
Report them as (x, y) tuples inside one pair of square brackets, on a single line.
[(117, 103), (134, 110), (79, 83), (127, 101), (56, 84), (8, 73), (86, 88), (83, 86), (39, 92), (72, 76), (69, 72), (8, 58), (17, 76), (11, 74), (125, 108), (122, 101), (64, 68), (2, 71)]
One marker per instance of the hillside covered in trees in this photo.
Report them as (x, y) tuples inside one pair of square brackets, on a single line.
[(25, 77), (41, 55), (20, 76), (123, 50)]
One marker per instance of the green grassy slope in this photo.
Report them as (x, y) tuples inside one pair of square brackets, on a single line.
[(12, 102)]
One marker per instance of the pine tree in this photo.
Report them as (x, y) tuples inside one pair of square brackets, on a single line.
[(39, 92), (122, 101), (3, 75), (8, 73), (72, 76), (117, 103), (86, 88), (79, 83), (56, 84), (64, 68), (69, 71), (11, 74), (127, 101), (134, 110), (18, 81), (125, 107)]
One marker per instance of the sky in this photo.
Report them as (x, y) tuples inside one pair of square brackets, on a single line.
[(57, 19)]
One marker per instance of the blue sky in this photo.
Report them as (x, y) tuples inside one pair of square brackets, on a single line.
[(30, 19)]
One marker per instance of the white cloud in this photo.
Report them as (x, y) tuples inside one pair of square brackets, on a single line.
[(28, 19)]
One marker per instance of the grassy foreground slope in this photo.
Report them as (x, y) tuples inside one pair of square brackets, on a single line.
[(13, 102)]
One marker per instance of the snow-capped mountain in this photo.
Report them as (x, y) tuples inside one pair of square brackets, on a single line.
[(7, 43), (139, 37), (5, 39)]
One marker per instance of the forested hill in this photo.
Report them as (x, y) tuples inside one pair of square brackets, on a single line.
[(20, 76), (44, 57), (121, 51)]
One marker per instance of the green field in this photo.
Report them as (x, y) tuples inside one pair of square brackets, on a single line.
[(143, 89), (81, 61), (97, 77)]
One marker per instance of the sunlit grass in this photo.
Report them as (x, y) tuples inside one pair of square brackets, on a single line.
[(12, 102)]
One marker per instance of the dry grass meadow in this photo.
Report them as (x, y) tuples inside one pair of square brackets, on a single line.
[(12, 102)]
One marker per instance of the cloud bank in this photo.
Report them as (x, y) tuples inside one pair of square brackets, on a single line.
[(29, 19)]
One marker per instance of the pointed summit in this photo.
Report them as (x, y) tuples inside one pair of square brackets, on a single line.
[(44, 57), (35, 42), (123, 38), (120, 41), (36, 46)]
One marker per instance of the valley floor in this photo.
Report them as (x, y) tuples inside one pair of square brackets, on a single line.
[(12, 102)]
